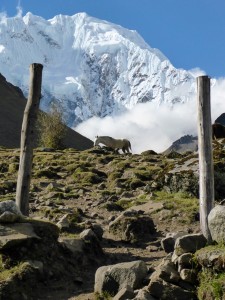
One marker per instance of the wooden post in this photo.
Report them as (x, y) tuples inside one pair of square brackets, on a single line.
[(27, 138), (206, 172)]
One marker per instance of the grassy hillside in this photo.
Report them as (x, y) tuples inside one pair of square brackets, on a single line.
[(69, 176), (93, 187)]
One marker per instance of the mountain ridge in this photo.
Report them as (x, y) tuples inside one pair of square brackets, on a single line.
[(183, 144), (92, 67)]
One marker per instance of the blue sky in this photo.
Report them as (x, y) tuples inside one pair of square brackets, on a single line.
[(191, 33)]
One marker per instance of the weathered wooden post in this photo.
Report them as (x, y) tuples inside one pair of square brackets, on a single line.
[(27, 138), (206, 172)]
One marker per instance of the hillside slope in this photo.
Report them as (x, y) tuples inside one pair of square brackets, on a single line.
[(82, 190), (12, 105)]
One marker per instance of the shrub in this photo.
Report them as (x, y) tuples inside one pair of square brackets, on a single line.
[(86, 177), (13, 167), (48, 173), (51, 128)]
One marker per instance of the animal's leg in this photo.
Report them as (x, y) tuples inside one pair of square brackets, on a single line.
[(127, 148)]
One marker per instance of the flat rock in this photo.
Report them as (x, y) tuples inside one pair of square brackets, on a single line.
[(189, 243), (15, 234)]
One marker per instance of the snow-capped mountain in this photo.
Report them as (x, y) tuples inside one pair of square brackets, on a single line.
[(93, 67)]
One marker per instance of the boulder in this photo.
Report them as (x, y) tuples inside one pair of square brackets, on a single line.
[(166, 270), (174, 258), (88, 235), (189, 275), (168, 242), (113, 278), (143, 294), (92, 242), (64, 223), (20, 234), (211, 258), (12, 235), (166, 283), (216, 223), (76, 246), (166, 291), (22, 285), (9, 212), (185, 261), (47, 231), (9, 217), (189, 243), (131, 226), (98, 230)]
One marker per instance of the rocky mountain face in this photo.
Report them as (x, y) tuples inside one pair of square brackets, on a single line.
[(221, 119), (183, 144), (12, 103), (92, 67)]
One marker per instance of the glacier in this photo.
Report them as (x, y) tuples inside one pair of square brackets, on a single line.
[(92, 68)]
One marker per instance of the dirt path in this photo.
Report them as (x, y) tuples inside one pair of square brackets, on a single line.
[(118, 251)]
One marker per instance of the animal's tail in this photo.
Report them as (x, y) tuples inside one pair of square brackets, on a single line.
[(129, 145)]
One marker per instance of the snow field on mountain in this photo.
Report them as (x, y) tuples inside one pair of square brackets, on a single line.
[(93, 67)]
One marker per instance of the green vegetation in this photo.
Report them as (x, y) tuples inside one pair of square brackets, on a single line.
[(129, 202), (114, 175), (70, 235), (6, 274), (104, 296), (51, 128), (179, 204), (98, 180), (146, 174), (74, 166), (48, 173), (124, 203), (140, 200), (211, 285), (86, 178), (74, 217), (13, 167)]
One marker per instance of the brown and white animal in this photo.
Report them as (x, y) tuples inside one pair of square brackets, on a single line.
[(218, 131), (115, 144)]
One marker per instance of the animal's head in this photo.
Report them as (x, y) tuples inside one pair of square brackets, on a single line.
[(96, 141)]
